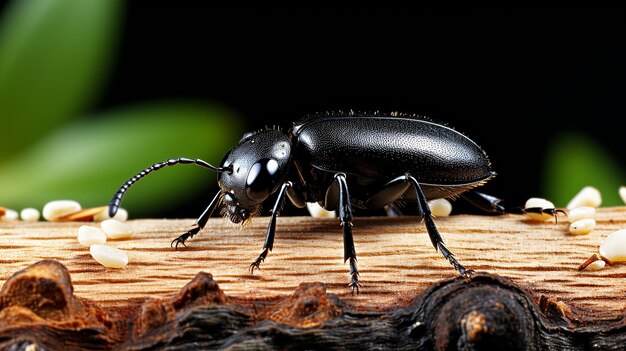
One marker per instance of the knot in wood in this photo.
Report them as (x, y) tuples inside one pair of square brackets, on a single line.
[(42, 291), (309, 306), (479, 314), (474, 326)]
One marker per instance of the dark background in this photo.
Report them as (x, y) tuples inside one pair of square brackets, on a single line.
[(511, 78)]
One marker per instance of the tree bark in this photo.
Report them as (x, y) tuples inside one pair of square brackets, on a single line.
[(527, 295)]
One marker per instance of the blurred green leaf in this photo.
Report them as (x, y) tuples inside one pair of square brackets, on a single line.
[(88, 160), (53, 55), (575, 160)]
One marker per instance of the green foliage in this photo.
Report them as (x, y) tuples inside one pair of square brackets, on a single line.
[(573, 161), (54, 55), (88, 160)]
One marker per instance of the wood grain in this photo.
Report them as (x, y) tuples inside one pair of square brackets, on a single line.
[(396, 259)]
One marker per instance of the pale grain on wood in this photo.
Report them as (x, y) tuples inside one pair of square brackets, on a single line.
[(395, 257)]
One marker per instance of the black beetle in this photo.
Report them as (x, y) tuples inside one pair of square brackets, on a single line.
[(385, 160)]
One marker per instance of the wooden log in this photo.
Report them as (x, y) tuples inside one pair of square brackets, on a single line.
[(38, 311), (396, 259), (530, 294)]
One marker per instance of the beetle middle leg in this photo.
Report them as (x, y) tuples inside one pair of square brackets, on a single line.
[(345, 215)]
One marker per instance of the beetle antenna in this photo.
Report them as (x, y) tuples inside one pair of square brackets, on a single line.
[(114, 205)]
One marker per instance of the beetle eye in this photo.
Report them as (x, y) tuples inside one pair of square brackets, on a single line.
[(261, 179)]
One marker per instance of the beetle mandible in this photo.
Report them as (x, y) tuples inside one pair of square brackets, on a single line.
[(344, 161)]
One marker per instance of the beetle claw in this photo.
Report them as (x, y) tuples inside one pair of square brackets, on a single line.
[(556, 213), (257, 263), (355, 285), (179, 240), (468, 273)]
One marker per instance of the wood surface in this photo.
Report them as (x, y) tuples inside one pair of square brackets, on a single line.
[(396, 259)]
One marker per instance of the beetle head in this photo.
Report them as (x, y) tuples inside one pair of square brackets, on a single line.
[(258, 166)]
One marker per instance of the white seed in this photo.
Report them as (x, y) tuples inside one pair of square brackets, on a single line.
[(587, 196), (318, 211), (582, 212), (59, 208), (10, 215), (595, 265), (108, 256), (29, 214), (582, 226), (440, 207), (115, 229), (121, 215), (622, 193), (534, 202), (613, 247), (89, 235)]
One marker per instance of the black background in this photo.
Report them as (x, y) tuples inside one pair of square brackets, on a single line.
[(511, 78)]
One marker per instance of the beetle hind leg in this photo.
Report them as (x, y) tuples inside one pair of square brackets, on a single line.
[(393, 190), (432, 230), (554, 212), (492, 204)]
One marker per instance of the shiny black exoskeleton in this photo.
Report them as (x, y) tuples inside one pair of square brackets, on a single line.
[(343, 162)]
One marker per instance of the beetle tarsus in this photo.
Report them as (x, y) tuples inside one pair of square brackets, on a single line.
[(450, 257), (257, 263), (355, 286), (181, 239), (178, 241), (468, 273), (354, 276), (200, 223)]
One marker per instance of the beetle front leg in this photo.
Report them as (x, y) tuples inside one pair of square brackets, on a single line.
[(345, 215), (433, 232), (271, 229), (200, 222)]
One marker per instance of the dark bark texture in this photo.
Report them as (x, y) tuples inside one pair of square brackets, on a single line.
[(38, 311)]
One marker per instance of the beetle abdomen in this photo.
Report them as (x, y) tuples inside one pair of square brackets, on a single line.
[(382, 147)]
